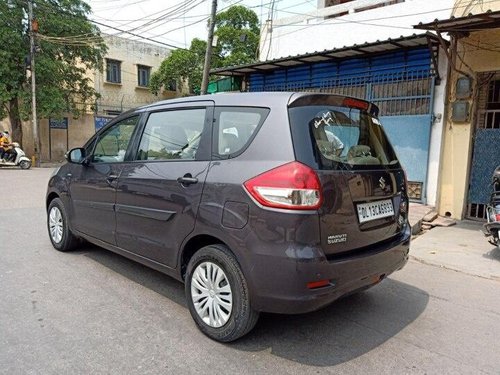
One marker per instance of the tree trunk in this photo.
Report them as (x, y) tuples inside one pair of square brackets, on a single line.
[(15, 122)]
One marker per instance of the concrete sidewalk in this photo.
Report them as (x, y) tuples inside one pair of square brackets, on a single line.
[(462, 248)]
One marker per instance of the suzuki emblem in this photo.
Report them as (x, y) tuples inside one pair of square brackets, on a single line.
[(381, 183)]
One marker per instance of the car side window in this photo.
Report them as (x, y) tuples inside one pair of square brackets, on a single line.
[(112, 144), (235, 127), (172, 135)]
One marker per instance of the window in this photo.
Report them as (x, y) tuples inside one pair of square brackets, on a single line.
[(235, 127), (356, 6), (113, 143), (172, 85), (113, 71), (143, 74), (492, 112), (330, 3), (342, 137), (172, 135)]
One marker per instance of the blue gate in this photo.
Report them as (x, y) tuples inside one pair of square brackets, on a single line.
[(406, 112), (486, 153)]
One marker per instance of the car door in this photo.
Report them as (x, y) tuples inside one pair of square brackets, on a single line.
[(93, 184), (158, 193)]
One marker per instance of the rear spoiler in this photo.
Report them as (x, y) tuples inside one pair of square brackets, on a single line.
[(302, 100)]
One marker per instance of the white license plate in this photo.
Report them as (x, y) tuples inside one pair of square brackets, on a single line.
[(375, 210)]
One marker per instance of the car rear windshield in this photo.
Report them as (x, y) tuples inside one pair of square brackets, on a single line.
[(339, 137)]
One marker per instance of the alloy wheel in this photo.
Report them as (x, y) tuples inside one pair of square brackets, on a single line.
[(211, 294), (56, 224)]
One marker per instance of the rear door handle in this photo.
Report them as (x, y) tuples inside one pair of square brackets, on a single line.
[(187, 179)]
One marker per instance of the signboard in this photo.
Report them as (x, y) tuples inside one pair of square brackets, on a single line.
[(100, 121), (58, 123)]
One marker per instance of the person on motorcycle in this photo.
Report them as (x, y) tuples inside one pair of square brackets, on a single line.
[(5, 144)]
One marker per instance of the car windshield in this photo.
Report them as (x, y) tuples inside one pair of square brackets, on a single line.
[(342, 137)]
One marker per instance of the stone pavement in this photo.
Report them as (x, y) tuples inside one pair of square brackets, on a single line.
[(416, 215), (462, 247)]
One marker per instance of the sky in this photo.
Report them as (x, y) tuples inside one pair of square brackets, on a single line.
[(183, 19)]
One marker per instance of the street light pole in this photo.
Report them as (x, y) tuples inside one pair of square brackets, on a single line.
[(208, 53), (34, 121)]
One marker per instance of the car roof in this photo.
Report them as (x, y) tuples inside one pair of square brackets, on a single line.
[(235, 98), (267, 99)]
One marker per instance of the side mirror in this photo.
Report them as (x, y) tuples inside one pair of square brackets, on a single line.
[(76, 156)]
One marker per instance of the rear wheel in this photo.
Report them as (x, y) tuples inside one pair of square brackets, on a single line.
[(57, 224), (25, 164), (217, 294)]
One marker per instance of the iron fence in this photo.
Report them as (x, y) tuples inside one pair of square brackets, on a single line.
[(395, 93)]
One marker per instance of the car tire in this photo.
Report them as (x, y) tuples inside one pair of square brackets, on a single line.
[(57, 224), (217, 294)]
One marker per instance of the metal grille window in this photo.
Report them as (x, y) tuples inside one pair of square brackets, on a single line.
[(396, 94), (492, 120), (486, 137), (113, 71), (143, 74)]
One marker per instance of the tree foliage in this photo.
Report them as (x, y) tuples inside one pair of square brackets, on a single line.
[(68, 46), (237, 32), (184, 67)]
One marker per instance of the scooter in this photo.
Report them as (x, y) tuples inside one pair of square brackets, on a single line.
[(16, 158), (492, 227)]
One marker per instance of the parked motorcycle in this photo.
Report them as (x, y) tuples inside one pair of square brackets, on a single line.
[(16, 158), (492, 227)]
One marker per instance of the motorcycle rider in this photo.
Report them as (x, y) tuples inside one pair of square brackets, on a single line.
[(5, 144)]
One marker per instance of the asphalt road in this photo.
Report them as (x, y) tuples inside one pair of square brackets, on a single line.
[(94, 312)]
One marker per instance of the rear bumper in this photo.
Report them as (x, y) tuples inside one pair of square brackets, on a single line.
[(280, 283)]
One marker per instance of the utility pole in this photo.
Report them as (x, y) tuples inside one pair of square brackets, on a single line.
[(208, 53), (34, 120)]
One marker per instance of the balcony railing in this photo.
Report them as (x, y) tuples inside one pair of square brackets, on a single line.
[(335, 10)]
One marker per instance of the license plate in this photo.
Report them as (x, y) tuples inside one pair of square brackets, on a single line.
[(375, 210)]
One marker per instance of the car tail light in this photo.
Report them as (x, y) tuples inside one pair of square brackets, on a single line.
[(292, 186)]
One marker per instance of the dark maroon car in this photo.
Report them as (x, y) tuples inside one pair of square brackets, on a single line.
[(259, 202)]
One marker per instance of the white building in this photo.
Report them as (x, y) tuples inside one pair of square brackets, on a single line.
[(339, 23)]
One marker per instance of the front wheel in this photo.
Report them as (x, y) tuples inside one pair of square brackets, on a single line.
[(57, 223), (25, 164), (217, 294)]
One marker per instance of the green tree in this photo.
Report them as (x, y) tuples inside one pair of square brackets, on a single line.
[(68, 46), (237, 32), (184, 67)]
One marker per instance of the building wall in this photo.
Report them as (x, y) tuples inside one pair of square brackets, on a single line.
[(5, 125), (457, 150), (128, 94), (117, 97), (313, 32), (436, 143), (462, 8)]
